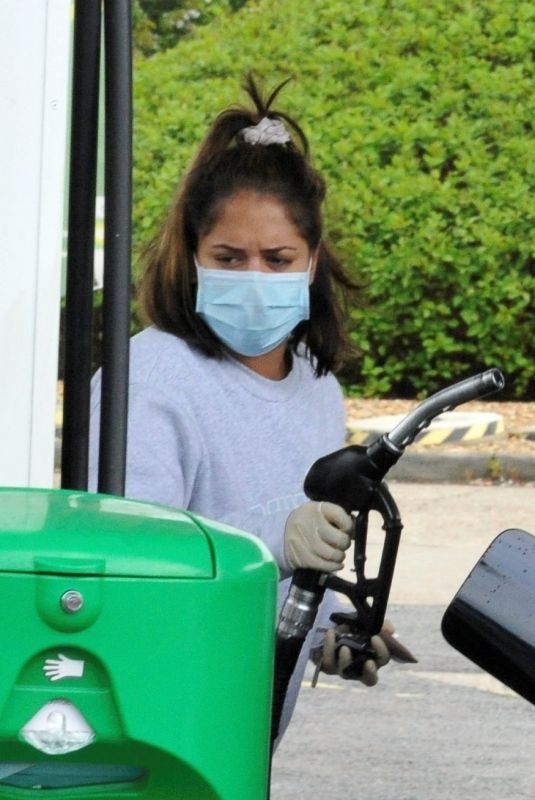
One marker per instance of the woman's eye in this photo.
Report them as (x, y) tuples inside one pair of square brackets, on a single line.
[(241, 262), (228, 260)]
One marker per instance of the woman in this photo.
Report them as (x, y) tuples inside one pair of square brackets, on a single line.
[(232, 396)]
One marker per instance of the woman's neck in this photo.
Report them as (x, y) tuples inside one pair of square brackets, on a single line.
[(274, 365)]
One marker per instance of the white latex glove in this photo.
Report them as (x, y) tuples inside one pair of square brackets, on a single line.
[(316, 537), (385, 645)]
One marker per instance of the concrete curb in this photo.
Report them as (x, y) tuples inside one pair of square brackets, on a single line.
[(461, 468)]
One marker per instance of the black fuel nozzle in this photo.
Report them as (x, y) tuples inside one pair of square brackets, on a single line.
[(353, 478), (348, 476)]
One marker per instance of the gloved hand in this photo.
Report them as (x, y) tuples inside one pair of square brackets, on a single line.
[(385, 644), (316, 537)]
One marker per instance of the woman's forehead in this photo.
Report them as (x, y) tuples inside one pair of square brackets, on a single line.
[(252, 217)]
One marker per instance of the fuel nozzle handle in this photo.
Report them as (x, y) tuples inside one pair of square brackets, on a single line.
[(347, 476)]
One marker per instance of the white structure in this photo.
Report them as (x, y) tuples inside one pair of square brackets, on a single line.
[(34, 65)]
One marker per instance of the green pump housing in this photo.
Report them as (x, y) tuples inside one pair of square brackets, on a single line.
[(137, 651)]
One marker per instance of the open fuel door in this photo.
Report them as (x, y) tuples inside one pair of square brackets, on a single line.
[(491, 619)]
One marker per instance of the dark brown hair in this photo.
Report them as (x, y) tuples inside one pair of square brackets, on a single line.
[(225, 165)]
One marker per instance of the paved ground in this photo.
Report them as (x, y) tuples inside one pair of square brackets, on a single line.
[(439, 729)]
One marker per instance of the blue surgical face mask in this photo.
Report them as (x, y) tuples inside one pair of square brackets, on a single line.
[(252, 312)]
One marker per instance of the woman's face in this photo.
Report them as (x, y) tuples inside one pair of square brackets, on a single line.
[(253, 232)]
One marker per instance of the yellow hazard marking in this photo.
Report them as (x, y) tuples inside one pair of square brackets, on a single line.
[(475, 432), (357, 437), (435, 437)]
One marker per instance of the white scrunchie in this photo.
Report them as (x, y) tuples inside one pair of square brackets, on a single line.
[(268, 131)]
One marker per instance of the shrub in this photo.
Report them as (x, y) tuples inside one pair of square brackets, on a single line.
[(421, 118)]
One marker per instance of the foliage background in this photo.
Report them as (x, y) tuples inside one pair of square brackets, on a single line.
[(421, 117)]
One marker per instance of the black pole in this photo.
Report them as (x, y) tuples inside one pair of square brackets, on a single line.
[(81, 242), (117, 245)]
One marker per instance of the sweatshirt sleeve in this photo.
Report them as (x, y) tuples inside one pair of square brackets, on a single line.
[(163, 453), (271, 532), (269, 526)]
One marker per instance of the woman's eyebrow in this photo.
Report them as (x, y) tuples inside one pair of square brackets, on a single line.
[(223, 246), (278, 249)]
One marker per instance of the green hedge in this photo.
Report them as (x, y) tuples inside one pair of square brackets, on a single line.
[(421, 117)]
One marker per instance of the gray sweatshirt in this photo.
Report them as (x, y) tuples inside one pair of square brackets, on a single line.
[(216, 438)]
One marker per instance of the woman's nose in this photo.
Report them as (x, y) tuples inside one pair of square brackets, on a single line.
[(257, 263)]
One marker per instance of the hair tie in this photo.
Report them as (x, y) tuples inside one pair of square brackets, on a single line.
[(268, 131)]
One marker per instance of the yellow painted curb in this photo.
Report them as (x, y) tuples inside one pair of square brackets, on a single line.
[(452, 426)]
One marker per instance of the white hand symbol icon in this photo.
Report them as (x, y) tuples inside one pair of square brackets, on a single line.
[(63, 667)]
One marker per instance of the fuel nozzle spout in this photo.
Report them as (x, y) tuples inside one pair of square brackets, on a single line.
[(347, 476), (470, 389)]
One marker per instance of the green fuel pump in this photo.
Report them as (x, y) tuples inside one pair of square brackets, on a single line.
[(138, 644)]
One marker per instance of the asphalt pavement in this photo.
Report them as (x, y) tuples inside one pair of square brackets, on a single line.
[(438, 729)]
